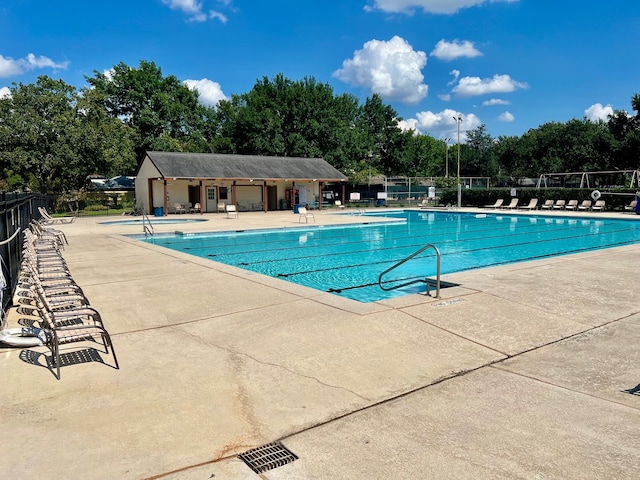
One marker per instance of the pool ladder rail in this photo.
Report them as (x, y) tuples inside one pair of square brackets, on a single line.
[(148, 230), (427, 281)]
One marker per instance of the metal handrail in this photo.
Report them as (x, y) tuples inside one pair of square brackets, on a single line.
[(425, 281), (147, 230)]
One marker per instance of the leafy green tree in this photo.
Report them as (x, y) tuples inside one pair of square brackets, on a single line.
[(41, 135), (291, 119), (154, 106), (382, 137)]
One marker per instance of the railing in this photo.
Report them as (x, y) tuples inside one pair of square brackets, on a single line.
[(17, 209), (426, 281), (148, 230)]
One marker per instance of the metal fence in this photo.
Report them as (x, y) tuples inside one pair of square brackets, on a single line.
[(16, 212)]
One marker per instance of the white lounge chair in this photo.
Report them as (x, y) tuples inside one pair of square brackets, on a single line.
[(559, 205), (498, 204), (631, 207), (512, 205), (533, 203), (572, 205), (585, 205), (232, 211), (48, 219), (306, 214), (547, 205), (338, 204), (599, 206)]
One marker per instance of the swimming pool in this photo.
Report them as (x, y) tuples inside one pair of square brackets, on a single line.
[(347, 260), (152, 221)]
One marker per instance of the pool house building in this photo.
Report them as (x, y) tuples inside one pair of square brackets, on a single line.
[(168, 182)]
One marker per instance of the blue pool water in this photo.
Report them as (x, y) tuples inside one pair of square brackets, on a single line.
[(347, 260)]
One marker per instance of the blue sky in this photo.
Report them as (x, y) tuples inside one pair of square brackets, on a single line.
[(509, 64)]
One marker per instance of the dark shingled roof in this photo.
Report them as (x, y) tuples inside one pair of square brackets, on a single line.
[(216, 165)]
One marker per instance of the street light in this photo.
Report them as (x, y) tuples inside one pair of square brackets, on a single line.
[(458, 120), (446, 158)]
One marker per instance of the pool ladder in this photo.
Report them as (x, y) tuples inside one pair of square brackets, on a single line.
[(427, 281), (148, 230)]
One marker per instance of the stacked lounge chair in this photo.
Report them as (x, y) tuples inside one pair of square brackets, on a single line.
[(48, 293)]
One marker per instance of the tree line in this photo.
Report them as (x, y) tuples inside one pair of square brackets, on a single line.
[(53, 135)]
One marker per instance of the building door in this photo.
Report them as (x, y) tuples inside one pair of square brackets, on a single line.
[(272, 197), (212, 204)]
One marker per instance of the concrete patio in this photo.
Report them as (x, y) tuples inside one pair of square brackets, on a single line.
[(527, 371)]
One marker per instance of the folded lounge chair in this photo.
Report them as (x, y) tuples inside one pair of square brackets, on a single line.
[(498, 204), (533, 203)]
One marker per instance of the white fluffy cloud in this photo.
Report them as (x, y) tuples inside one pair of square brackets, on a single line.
[(5, 92), (448, 51), (598, 112), (444, 124), (393, 69), (195, 11), (472, 86), (209, 93), (10, 67), (430, 6), (495, 101), (506, 116)]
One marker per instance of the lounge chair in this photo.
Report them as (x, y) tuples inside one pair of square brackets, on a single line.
[(306, 214), (498, 204), (572, 205), (533, 204), (599, 206), (338, 204), (631, 207), (61, 335), (424, 203), (585, 205), (232, 211), (559, 205), (512, 205), (547, 205), (48, 219)]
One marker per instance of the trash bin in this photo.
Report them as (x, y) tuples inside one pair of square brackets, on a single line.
[(381, 202), (296, 208), (158, 211)]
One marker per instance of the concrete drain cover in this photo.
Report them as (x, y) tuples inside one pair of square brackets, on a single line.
[(267, 457)]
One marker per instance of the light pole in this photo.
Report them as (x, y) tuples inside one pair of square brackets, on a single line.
[(446, 158), (458, 120)]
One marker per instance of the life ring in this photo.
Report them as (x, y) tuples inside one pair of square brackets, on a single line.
[(23, 337), (596, 195)]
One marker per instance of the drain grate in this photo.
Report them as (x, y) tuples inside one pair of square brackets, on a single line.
[(267, 457)]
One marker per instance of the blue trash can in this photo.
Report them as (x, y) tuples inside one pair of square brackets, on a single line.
[(158, 211), (296, 208), (380, 202)]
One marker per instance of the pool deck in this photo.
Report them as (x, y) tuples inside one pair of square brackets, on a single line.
[(523, 371)]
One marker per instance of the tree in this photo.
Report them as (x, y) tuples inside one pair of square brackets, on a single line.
[(156, 107), (41, 133), (291, 119)]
